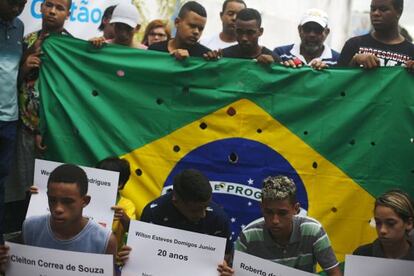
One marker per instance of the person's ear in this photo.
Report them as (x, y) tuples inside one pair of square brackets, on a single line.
[(86, 200), (177, 21), (410, 225), (327, 31), (297, 207), (261, 31)]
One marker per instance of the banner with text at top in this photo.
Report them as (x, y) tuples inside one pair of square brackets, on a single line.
[(343, 135)]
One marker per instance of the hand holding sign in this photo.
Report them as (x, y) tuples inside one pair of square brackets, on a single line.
[(102, 188)]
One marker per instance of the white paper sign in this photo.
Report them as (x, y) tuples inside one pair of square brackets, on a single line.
[(102, 188), (370, 266), (247, 265), (164, 251), (31, 260)]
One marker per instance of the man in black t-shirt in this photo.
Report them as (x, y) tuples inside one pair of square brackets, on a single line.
[(190, 25), (189, 207), (384, 46), (248, 32)]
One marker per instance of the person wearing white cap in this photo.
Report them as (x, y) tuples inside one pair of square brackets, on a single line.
[(126, 22), (312, 50)]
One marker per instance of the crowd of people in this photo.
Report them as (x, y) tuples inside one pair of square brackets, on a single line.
[(283, 235)]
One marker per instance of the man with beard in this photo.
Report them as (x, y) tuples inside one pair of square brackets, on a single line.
[(312, 51), (227, 37), (384, 46)]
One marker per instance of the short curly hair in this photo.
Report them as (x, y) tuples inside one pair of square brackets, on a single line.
[(279, 187), (69, 174)]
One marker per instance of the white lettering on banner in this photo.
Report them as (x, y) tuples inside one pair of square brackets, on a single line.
[(221, 187)]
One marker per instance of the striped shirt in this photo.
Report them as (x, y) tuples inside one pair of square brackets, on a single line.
[(309, 244), (329, 56)]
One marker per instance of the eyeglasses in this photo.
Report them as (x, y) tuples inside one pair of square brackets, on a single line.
[(157, 34)]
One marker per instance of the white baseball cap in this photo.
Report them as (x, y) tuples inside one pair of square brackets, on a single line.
[(126, 13), (315, 15)]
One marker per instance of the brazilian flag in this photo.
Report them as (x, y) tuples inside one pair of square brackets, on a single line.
[(343, 135)]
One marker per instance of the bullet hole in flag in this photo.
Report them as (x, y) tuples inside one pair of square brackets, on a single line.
[(412, 140), (95, 93), (352, 142), (231, 111), (233, 158), (160, 101), (343, 94), (138, 172), (373, 143), (305, 132), (186, 90), (120, 73), (176, 148), (314, 165), (334, 209), (259, 130), (203, 125)]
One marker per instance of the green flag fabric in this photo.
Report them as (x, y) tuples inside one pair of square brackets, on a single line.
[(343, 135)]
